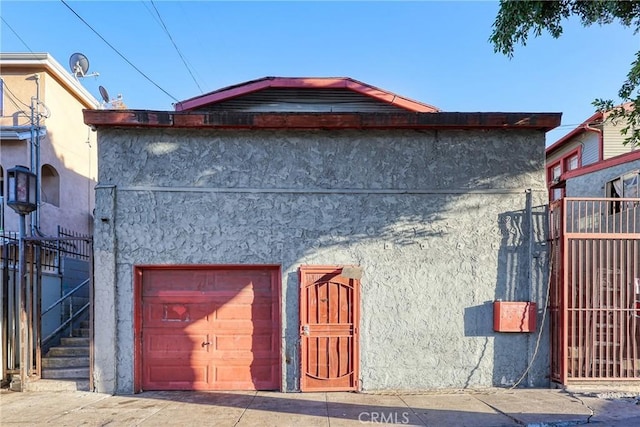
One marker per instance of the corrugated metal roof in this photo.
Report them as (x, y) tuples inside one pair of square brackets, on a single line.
[(303, 100), (344, 84)]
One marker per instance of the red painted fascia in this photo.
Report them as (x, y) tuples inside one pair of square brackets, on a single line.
[(604, 164), (583, 127), (304, 83), (402, 120)]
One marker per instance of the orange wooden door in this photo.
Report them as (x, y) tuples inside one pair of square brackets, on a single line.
[(329, 318)]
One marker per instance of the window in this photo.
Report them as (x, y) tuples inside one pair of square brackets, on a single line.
[(1, 98), (50, 185), (566, 163), (554, 175), (571, 163), (625, 186)]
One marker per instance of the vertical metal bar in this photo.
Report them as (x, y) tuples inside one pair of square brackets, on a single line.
[(24, 342), (70, 316), (576, 272), (91, 314), (611, 309), (12, 311), (30, 306), (38, 311), (634, 318), (4, 331), (565, 280)]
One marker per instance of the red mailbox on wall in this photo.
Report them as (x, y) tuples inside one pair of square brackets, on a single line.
[(514, 316)]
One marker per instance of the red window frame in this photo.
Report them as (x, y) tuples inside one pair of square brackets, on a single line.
[(563, 163)]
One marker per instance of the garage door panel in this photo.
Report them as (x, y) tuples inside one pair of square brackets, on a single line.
[(210, 329), (176, 313), (231, 373), (245, 311), (175, 371), (256, 342), (195, 280), (167, 345)]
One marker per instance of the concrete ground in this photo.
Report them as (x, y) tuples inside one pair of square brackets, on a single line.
[(492, 407)]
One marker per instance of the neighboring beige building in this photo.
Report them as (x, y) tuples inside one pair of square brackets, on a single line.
[(595, 140), (41, 127)]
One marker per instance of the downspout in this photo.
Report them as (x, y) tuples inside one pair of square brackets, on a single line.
[(600, 138)]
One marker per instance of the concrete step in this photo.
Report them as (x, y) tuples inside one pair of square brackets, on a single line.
[(73, 384), (74, 342), (68, 351), (65, 362), (66, 373)]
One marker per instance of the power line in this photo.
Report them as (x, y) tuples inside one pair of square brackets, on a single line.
[(166, 30), (14, 96), (118, 52), (16, 34)]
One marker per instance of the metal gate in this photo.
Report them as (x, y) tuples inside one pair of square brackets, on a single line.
[(329, 318), (21, 298), (595, 290)]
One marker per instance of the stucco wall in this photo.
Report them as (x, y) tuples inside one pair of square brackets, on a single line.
[(442, 224), (69, 146), (593, 184)]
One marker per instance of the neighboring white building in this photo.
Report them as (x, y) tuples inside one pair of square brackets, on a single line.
[(595, 141)]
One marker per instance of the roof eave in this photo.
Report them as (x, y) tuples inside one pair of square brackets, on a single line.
[(47, 62), (401, 120), (583, 127)]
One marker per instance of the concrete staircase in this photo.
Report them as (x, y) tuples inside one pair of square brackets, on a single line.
[(66, 367)]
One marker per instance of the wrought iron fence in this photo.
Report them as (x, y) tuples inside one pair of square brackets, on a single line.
[(595, 294), (43, 256)]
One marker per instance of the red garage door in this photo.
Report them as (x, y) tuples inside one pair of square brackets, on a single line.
[(208, 328)]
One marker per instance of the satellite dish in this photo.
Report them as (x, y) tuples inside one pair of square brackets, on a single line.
[(104, 94), (114, 104), (79, 65)]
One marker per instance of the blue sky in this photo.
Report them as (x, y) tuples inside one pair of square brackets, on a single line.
[(431, 51)]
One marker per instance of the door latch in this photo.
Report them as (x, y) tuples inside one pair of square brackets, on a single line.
[(205, 343), (305, 330)]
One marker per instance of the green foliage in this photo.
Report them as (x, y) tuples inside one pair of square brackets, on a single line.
[(516, 20)]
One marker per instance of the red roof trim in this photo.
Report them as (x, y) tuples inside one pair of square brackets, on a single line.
[(304, 83), (402, 120), (583, 127), (603, 164)]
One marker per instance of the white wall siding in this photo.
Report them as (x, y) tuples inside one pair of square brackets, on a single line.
[(614, 141), (590, 144), (568, 147)]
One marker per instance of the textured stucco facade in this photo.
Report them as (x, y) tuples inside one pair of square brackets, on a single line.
[(593, 184), (442, 223)]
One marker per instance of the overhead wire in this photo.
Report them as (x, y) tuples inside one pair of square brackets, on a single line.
[(16, 34), (118, 52), (14, 96), (184, 61)]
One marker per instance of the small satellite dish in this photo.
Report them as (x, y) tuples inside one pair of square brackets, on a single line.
[(112, 104), (79, 65), (104, 94)]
